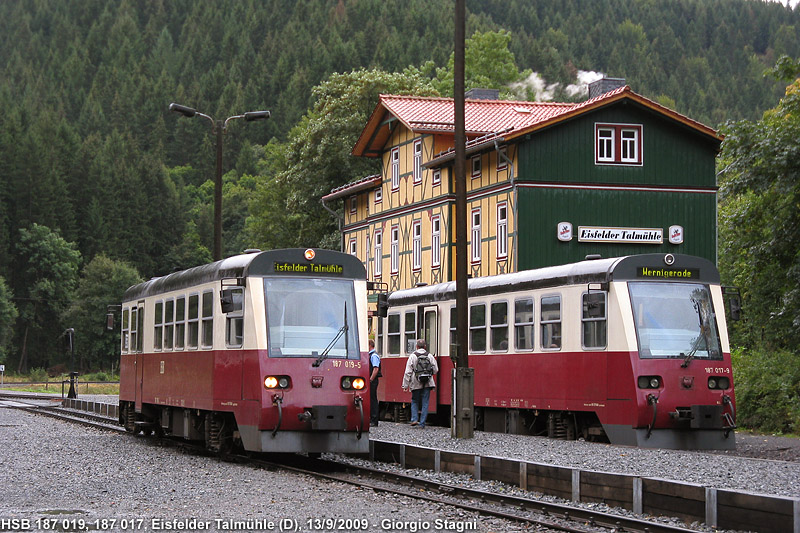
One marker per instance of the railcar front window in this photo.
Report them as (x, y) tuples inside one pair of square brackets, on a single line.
[(674, 320), (306, 316)]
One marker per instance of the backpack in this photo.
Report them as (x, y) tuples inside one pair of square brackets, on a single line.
[(423, 368)]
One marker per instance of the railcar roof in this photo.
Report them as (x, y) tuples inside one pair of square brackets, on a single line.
[(583, 272), (248, 264)]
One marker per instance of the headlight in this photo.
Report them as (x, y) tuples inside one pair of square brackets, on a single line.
[(719, 383), (648, 382), (353, 383), (277, 382)]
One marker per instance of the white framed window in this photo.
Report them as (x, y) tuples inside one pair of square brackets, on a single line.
[(169, 323), (436, 241), (417, 162), (476, 167), (378, 195), (476, 235), (158, 329), (502, 230), (550, 320), (629, 145), (498, 328), (353, 205), (437, 177), (378, 253), (394, 240), (207, 337), (126, 330), (134, 329), (395, 169), (618, 144), (234, 319), (180, 322), (193, 321), (523, 324), (502, 158), (393, 334), (416, 245), (477, 327), (353, 247), (367, 250), (605, 145), (593, 320)]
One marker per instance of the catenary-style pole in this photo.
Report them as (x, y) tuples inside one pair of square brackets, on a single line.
[(463, 386)]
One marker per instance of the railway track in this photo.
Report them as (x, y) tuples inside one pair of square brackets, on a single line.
[(539, 514)]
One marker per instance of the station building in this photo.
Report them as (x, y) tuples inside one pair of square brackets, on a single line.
[(547, 184)]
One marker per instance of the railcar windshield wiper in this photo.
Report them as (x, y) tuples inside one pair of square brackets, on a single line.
[(705, 328), (342, 331)]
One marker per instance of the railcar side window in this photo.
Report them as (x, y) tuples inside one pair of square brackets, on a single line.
[(193, 321), (134, 330), (158, 329), (234, 320), (169, 323), (411, 331), (499, 326), (453, 332), (551, 322), (140, 328), (180, 323), (125, 330), (594, 321), (379, 339), (207, 338), (523, 324), (394, 334), (477, 327)]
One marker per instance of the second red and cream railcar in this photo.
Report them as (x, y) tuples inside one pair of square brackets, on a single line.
[(633, 350)]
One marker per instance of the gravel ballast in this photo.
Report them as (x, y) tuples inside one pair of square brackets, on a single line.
[(56, 470)]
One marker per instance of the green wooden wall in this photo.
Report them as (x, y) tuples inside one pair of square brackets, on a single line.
[(673, 156)]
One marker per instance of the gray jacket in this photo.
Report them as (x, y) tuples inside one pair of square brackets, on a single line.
[(409, 379)]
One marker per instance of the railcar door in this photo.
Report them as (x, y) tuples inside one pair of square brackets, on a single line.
[(137, 345), (430, 332)]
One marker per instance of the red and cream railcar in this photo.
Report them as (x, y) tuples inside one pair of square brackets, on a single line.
[(265, 349), (633, 350)]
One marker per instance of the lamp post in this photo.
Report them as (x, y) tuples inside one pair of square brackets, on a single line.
[(219, 128)]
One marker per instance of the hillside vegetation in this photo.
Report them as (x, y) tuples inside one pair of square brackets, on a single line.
[(101, 186)]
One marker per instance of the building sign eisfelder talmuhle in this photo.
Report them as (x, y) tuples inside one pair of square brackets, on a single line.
[(620, 235)]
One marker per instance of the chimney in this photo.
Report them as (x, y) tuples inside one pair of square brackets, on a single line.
[(604, 85), (482, 94)]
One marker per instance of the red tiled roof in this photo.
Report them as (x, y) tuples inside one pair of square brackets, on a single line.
[(512, 118)]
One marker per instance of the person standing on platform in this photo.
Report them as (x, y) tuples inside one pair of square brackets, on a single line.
[(374, 377), (420, 368)]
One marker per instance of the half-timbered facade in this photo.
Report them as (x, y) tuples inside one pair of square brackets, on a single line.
[(547, 183)]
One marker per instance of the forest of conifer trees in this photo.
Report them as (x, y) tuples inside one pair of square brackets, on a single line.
[(96, 173)]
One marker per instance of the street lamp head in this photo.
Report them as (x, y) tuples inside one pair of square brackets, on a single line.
[(183, 110), (256, 115)]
